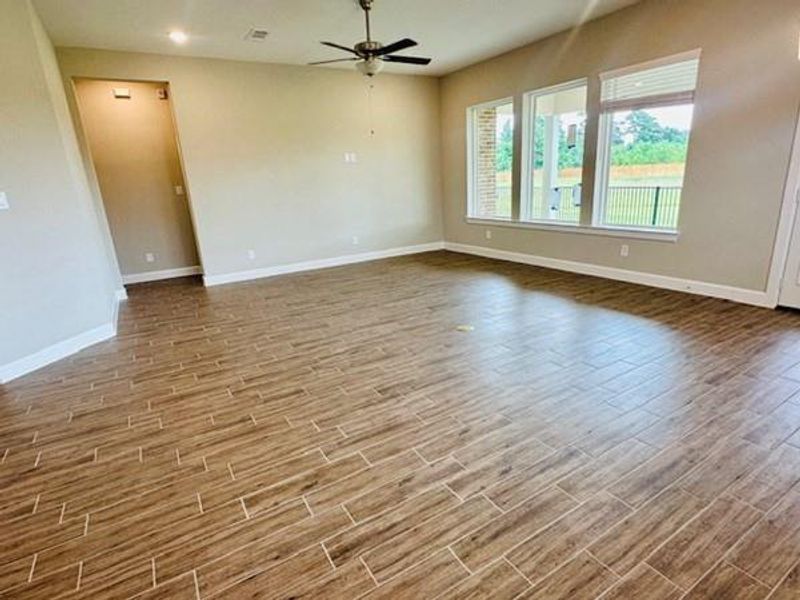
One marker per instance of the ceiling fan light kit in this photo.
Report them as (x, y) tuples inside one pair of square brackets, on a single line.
[(369, 55), (370, 67)]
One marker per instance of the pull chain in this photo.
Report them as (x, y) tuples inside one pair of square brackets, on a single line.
[(370, 115)]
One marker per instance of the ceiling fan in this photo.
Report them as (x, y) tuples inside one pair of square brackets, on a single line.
[(371, 55)]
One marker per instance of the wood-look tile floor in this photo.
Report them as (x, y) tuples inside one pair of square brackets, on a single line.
[(437, 426)]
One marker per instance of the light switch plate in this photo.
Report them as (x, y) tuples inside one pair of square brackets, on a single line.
[(4, 201), (179, 190)]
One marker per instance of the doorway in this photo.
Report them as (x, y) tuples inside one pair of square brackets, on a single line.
[(133, 143), (789, 251)]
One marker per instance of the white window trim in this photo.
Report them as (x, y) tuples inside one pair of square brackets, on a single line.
[(656, 235), (471, 174), (652, 64), (607, 110), (528, 116)]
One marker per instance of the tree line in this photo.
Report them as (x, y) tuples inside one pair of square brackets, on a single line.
[(638, 139)]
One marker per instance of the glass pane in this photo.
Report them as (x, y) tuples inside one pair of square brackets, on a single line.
[(493, 155), (648, 160), (556, 169)]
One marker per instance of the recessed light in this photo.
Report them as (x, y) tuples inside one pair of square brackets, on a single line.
[(179, 37)]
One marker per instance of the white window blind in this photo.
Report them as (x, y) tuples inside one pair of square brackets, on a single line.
[(663, 85)]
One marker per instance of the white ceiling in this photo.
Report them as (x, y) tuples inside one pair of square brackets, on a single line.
[(454, 33)]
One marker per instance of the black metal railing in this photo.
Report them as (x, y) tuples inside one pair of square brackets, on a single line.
[(630, 206), (643, 206)]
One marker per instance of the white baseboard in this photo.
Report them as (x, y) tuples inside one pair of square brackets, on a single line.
[(119, 296), (159, 275), (65, 348), (213, 280), (62, 349), (742, 295)]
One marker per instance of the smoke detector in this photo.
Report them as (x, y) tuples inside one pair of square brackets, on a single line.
[(256, 34)]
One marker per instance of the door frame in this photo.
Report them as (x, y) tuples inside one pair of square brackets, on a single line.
[(85, 148), (786, 223)]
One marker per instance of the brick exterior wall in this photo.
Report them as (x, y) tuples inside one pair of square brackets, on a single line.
[(486, 161)]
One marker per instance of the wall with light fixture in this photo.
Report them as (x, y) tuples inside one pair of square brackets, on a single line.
[(58, 280), (291, 165), (746, 109)]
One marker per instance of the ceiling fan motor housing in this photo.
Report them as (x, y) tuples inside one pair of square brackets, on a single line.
[(367, 48)]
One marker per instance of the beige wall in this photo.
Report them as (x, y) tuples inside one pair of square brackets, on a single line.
[(747, 102), (56, 280), (263, 150), (135, 154)]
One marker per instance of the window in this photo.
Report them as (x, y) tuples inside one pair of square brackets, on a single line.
[(491, 155), (552, 168), (645, 123)]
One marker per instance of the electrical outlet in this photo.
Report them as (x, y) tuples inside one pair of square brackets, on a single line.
[(150, 257), (355, 240), (624, 251), (179, 190), (488, 234), (350, 157), (251, 254), (4, 201)]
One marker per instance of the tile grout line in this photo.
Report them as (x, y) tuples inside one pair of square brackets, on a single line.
[(425, 460), (613, 495), (725, 554), (355, 523), (80, 575), (785, 577), (594, 556), (452, 491), (33, 566), (750, 575), (328, 556), (361, 454), (513, 566), (369, 571), (308, 506), (461, 562), (662, 576)]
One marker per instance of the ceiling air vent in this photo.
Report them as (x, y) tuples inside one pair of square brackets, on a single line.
[(256, 35)]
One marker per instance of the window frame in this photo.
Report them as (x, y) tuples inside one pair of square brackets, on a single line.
[(605, 131), (471, 155), (529, 145)]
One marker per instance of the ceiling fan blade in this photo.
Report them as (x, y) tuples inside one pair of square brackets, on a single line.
[(411, 60), (340, 47), (338, 60), (396, 47)]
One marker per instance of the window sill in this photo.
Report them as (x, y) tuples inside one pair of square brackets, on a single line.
[(639, 234)]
